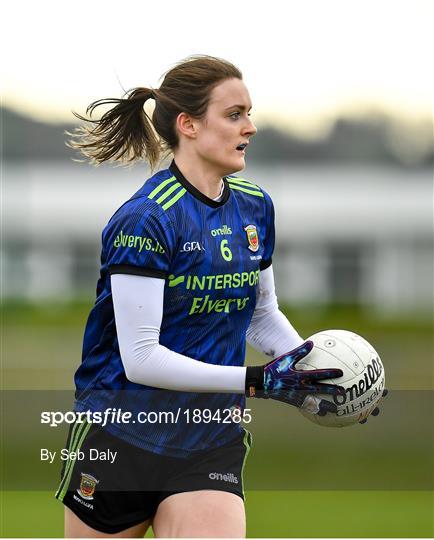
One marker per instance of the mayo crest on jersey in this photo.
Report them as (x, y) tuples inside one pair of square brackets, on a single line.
[(210, 254)]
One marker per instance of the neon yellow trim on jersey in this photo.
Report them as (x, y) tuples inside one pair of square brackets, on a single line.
[(160, 187), (243, 182), (174, 199), (172, 188), (255, 193)]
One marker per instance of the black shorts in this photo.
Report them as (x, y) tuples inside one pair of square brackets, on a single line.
[(112, 492)]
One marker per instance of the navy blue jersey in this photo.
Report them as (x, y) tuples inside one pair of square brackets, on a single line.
[(209, 254)]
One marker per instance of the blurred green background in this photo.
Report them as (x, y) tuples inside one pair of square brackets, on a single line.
[(276, 514), (302, 480)]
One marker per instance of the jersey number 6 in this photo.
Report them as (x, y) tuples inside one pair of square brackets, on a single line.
[(225, 251)]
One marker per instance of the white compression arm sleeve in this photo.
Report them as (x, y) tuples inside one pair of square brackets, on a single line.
[(270, 332), (138, 308)]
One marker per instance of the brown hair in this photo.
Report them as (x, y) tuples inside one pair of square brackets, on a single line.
[(126, 133)]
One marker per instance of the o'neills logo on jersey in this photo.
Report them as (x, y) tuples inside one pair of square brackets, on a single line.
[(364, 384), (224, 229), (252, 237), (228, 477), (87, 486)]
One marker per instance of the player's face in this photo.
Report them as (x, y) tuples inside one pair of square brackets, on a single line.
[(226, 126)]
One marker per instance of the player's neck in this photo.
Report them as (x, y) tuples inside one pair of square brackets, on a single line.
[(200, 175)]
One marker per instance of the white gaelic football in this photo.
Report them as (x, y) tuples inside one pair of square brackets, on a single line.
[(363, 375)]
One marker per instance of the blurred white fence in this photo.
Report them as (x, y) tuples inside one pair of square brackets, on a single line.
[(344, 234)]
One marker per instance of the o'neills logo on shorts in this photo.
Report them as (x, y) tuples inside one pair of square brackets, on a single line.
[(228, 477), (364, 384)]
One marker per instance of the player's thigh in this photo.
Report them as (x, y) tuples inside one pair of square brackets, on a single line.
[(205, 513), (76, 528)]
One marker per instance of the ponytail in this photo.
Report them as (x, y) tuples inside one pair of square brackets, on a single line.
[(123, 134)]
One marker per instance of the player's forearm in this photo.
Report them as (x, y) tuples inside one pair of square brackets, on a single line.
[(158, 366), (273, 334), (269, 331), (145, 360)]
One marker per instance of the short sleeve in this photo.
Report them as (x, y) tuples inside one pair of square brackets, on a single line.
[(270, 233), (139, 240)]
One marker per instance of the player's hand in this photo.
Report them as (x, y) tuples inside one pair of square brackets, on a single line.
[(280, 380), (375, 411)]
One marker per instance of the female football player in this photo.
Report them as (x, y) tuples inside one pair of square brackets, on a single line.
[(186, 277)]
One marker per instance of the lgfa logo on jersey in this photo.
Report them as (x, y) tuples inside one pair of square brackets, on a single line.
[(252, 237), (87, 486), (192, 246)]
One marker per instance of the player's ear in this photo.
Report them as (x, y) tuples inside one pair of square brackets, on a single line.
[(186, 125)]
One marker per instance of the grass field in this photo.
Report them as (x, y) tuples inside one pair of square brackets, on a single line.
[(276, 514), (302, 480)]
